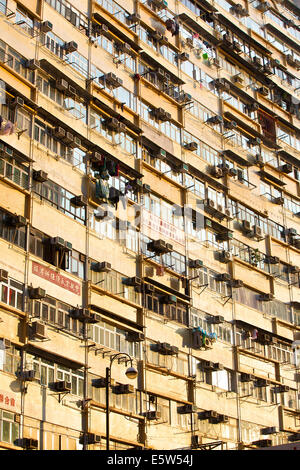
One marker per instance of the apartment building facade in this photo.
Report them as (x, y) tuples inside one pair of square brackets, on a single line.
[(149, 208)]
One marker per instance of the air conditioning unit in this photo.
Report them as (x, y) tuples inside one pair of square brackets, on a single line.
[(230, 124), (152, 415), (32, 64), (256, 61), (111, 79), (267, 297), (3, 275), (59, 132), (102, 267), (217, 172), (294, 269), (263, 443), (30, 444), (161, 114), (223, 418), (294, 437), (217, 319), (80, 314), (257, 232), (135, 336), (238, 79), (169, 299), (57, 242), (223, 277), (287, 168), (102, 214), (62, 84), (15, 220), (91, 438), (63, 386), (291, 232), (17, 101), (131, 281), (123, 389), (211, 414), (36, 293), (278, 200), (40, 176), (261, 382), (192, 146), (263, 91), (208, 365), (79, 201), (77, 142), (69, 138), (224, 236), (221, 84), (167, 349), (264, 338), (39, 330), (273, 260), (134, 17), (225, 256), (46, 27), (236, 47), (185, 409), (195, 263), (246, 226), (71, 46), (237, 283), (282, 389), (183, 56), (157, 246), (247, 377), (27, 375), (149, 289)]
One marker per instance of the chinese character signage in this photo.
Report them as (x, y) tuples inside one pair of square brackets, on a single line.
[(9, 401), (56, 278), (164, 228)]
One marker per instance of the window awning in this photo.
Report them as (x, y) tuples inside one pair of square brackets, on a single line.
[(236, 158), (118, 319), (289, 157), (156, 64), (284, 37), (243, 35), (189, 21), (265, 175), (54, 357), (168, 290)]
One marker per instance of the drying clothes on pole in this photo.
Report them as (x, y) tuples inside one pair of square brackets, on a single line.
[(8, 129)]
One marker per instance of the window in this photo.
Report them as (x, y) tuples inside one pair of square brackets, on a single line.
[(159, 404), (60, 198), (53, 311), (9, 430), (11, 359), (49, 372), (114, 338), (12, 293), (14, 169)]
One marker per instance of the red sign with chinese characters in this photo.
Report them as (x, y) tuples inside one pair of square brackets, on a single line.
[(8, 401), (164, 228), (55, 278)]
